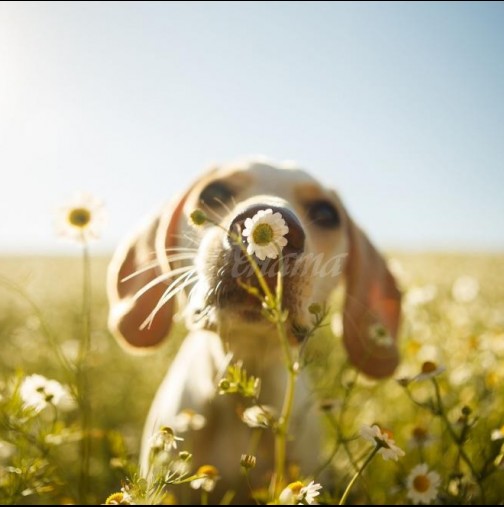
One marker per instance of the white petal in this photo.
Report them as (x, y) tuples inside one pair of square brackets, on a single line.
[(281, 242), (271, 251), (370, 432), (260, 254), (248, 226)]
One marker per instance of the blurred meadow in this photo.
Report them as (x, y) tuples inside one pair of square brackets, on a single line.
[(453, 317), (397, 105)]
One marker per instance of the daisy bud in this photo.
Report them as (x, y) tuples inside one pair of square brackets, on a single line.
[(404, 381), (198, 217), (248, 461), (314, 308), (224, 386), (466, 411)]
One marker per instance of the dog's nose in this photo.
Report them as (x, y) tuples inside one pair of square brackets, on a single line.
[(295, 237)]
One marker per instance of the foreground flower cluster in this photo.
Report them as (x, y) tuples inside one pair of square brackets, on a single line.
[(444, 407)]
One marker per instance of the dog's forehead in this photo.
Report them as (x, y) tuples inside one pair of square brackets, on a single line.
[(282, 180)]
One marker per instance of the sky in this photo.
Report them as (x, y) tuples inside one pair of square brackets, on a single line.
[(398, 106)]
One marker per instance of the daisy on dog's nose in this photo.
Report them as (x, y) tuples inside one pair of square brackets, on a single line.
[(268, 229), (265, 233)]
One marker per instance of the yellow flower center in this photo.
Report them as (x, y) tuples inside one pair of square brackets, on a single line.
[(208, 471), (116, 499), (295, 487), (421, 483), (263, 234), (419, 433), (79, 217), (429, 367), (387, 433)]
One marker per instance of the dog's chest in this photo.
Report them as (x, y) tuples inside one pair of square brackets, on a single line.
[(191, 383)]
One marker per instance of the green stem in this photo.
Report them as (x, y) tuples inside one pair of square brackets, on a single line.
[(337, 424), (456, 439), (357, 474), (264, 286), (281, 432), (204, 497), (274, 305), (288, 403), (83, 378)]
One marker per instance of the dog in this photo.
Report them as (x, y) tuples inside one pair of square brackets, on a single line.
[(208, 270)]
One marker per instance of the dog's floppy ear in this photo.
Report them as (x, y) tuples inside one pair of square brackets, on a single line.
[(372, 308), (135, 264)]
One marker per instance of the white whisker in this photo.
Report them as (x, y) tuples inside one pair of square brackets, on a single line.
[(151, 265), (224, 205), (170, 258), (191, 291), (181, 256), (166, 297), (219, 216), (181, 249), (186, 237), (161, 278)]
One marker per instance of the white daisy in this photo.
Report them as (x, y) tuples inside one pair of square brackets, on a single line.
[(420, 437), (465, 289), (258, 416), (265, 233), (187, 420), (37, 392), (208, 476), (120, 498), (417, 296), (164, 440), (82, 219), (387, 446), (180, 467), (308, 493), (497, 434), (6, 450), (429, 370), (297, 493), (422, 484)]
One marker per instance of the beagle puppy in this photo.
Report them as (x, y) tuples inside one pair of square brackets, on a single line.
[(170, 260)]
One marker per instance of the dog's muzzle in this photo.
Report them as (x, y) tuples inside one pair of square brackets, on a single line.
[(225, 273)]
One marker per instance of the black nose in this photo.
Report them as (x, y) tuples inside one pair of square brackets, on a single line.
[(295, 237)]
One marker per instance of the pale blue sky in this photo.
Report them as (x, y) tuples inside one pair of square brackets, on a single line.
[(400, 106)]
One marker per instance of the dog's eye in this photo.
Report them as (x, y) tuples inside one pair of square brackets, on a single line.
[(323, 214), (216, 193)]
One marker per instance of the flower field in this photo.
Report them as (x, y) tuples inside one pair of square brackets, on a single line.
[(432, 434)]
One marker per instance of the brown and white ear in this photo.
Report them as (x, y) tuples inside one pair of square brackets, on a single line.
[(372, 308), (136, 282)]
